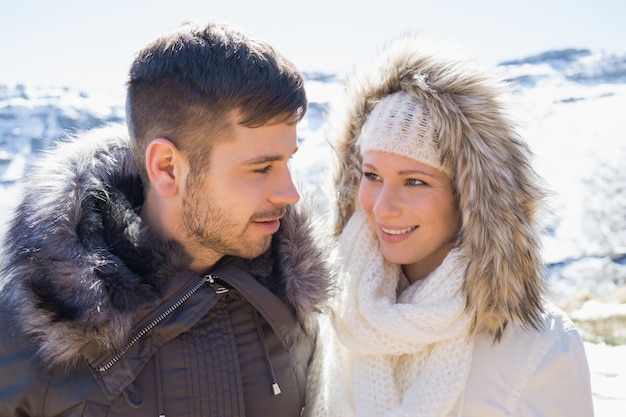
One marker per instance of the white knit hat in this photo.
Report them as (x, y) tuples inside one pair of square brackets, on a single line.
[(399, 124)]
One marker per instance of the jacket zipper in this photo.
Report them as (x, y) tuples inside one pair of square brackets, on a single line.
[(208, 278)]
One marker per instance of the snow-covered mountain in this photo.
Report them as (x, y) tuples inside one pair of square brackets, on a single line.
[(571, 104)]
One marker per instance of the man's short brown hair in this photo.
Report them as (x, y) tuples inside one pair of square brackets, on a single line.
[(184, 84)]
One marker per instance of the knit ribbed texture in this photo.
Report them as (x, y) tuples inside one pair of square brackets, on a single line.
[(399, 124), (390, 356)]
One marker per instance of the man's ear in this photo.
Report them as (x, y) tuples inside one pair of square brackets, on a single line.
[(164, 164)]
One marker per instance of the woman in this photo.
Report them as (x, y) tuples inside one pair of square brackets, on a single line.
[(440, 307)]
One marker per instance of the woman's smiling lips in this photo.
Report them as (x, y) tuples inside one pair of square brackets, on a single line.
[(394, 234)]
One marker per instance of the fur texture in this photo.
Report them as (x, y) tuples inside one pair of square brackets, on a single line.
[(79, 264), (497, 191)]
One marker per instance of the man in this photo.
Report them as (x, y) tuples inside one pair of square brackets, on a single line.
[(165, 272)]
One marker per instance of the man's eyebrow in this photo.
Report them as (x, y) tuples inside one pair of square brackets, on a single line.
[(267, 158)]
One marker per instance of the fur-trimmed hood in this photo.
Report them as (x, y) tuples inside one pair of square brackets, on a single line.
[(497, 190), (79, 264)]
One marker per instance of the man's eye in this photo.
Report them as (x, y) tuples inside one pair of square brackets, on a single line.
[(263, 170)]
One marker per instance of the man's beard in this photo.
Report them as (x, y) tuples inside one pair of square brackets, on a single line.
[(211, 227)]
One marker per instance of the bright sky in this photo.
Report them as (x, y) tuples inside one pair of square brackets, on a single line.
[(88, 44)]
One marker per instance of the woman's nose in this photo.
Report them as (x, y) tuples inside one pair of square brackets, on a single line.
[(387, 203)]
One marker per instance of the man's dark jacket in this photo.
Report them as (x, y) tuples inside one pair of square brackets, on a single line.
[(99, 317)]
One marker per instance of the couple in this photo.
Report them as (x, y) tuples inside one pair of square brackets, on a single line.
[(166, 269)]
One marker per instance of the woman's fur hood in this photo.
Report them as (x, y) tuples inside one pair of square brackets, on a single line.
[(78, 264), (497, 191)]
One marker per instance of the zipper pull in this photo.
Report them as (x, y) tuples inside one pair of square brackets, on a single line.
[(217, 287)]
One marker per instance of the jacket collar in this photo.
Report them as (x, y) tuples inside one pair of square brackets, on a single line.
[(73, 280)]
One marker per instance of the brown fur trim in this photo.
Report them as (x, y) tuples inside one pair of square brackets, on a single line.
[(496, 188), (79, 264)]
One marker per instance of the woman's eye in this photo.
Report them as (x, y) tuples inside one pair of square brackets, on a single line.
[(414, 181), (370, 176)]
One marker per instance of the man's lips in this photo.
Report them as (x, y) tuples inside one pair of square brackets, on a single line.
[(269, 226), (269, 221)]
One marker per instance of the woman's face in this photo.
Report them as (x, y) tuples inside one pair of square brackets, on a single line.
[(412, 210)]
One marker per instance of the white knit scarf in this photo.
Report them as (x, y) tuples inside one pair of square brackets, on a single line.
[(390, 356)]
